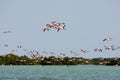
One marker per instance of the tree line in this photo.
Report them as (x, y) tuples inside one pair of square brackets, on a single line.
[(12, 59)]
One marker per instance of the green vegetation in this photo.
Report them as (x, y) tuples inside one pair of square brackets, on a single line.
[(12, 59)]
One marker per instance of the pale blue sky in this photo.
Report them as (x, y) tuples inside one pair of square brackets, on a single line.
[(88, 22)]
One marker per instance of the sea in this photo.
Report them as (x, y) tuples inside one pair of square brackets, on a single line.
[(56, 72)]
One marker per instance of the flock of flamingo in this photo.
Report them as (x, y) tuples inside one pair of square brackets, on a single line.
[(58, 26)]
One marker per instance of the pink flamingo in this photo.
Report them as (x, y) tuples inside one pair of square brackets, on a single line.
[(98, 49), (107, 39), (109, 47), (52, 24), (60, 27)]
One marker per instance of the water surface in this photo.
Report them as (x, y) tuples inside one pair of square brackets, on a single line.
[(79, 72)]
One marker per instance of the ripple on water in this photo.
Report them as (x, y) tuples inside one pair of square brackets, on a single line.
[(81, 72)]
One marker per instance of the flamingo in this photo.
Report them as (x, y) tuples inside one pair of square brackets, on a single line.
[(34, 54), (46, 29), (84, 51), (60, 27), (116, 47), (74, 53), (109, 47), (51, 24), (19, 46), (56, 24), (14, 50), (107, 39), (62, 54), (98, 49), (5, 45), (7, 31)]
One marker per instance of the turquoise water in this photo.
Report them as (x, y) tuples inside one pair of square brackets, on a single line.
[(80, 72)]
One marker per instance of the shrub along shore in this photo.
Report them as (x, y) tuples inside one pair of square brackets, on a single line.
[(12, 59)]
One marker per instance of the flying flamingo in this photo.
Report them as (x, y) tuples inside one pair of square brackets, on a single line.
[(7, 31), (84, 51), (107, 39), (19, 46), (5, 45), (98, 49), (58, 26), (14, 50), (52, 24), (62, 27), (46, 29), (109, 47), (73, 52)]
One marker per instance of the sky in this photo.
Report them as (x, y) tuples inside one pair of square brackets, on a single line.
[(88, 22)]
